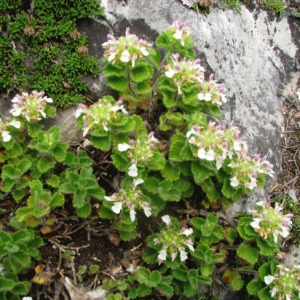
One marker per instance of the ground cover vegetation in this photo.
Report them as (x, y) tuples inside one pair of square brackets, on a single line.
[(159, 145), (41, 48)]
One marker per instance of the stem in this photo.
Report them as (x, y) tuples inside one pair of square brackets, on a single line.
[(243, 271)]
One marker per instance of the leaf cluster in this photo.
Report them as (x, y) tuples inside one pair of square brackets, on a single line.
[(40, 48)]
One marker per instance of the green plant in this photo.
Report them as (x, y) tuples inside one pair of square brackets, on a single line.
[(231, 4), (41, 174), (54, 53), (17, 251), (276, 6)]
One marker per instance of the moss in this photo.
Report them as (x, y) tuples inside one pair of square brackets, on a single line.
[(40, 48)]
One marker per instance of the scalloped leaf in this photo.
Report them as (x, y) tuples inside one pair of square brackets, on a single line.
[(247, 253)]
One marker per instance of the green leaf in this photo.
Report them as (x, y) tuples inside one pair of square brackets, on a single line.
[(57, 200), (21, 288), (143, 87), (44, 165), (193, 278), (245, 230), (171, 171), (200, 173), (151, 185), (106, 213), (165, 289), (265, 248), (18, 195), (94, 269), (6, 284), (154, 56), (101, 142), (180, 274), (53, 181), (141, 71), (120, 161), (67, 188), (118, 83), (254, 286), (248, 253), (177, 143), (60, 152), (110, 70), (155, 278), (230, 192), (237, 282), (85, 210), (10, 172)]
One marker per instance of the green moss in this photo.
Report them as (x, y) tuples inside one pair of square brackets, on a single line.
[(41, 49)]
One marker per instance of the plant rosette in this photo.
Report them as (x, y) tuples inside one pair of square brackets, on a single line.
[(171, 245), (139, 153), (285, 283)]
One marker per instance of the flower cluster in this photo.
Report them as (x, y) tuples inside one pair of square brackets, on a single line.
[(138, 151), (216, 143), (271, 221), (129, 200), (4, 128), (125, 49), (284, 285), (99, 115), (213, 92), (31, 106), (246, 170), (184, 71), (181, 32), (173, 241)]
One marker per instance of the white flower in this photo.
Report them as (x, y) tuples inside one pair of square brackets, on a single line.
[(298, 94), (147, 211), (274, 291), (170, 73), (48, 100), (183, 254), (237, 146), (85, 131), (191, 247), (111, 57), (78, 112), (255, 223), (178, 35), (117, 207), (15, 123), (16, 112), (210, 155), (166, 219), (201, 153), (205, 97), (219, 164), (138, 181), (144, 51), (234, 182), (188, 231), (133, 170), (26, 298), (162, 255), (125, 56), (123, 147), (253, 183), (132, 215), (6, 137), (268, 279)]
